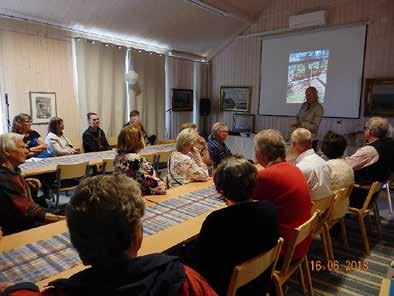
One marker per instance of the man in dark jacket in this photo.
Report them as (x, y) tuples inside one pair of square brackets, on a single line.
[(105, 222), (18, 211), (94, 137), (372, 162)]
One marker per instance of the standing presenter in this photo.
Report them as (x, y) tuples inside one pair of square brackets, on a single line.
[(310, 114)]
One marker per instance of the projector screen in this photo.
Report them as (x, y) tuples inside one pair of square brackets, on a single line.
[(331, 60)]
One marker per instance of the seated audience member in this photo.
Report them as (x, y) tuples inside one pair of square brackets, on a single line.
[(374, 161), (201, 144), (17, 209), (94, 137), (341, 173), (312, 165), (237, 233), (128, 162), (283, 184), (181, 168), (216, 146), (57, 143), (135, 118), (34, 143), (104, 218)]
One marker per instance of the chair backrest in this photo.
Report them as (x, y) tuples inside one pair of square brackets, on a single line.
[(170, 141), (341, 203), (108, 165), (165, 155), (77, 144), (71, 170), (297, 236), (251, 269), (323, 207), (375, 188), (112, 141)]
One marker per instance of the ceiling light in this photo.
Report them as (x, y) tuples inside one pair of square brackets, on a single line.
[(93, 42), (207, 7)]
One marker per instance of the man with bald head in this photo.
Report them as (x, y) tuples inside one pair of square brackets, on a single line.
[(312, 165), (374, 161)]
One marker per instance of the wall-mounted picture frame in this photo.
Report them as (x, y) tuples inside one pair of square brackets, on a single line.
[(235, 98), (243, 123), (379, 97), (182, 99), (42, 106)]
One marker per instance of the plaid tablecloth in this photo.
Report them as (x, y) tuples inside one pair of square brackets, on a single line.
[(44, 258)]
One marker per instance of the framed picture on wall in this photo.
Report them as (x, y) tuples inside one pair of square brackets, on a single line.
[(42, 106), (243, 123), (182, 99), (235, 98)]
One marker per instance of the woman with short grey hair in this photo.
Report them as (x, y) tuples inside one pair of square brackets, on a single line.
[(182, 169)]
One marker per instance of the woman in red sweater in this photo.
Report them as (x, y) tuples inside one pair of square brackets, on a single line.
[(283, 184)]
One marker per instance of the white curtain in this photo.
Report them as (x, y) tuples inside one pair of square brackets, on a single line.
[(147, 95), (101, 84)]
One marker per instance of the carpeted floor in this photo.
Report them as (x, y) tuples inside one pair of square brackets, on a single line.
[(355, 282)]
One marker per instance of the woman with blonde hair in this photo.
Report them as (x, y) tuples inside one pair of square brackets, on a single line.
[(130, 163), (182, 169)]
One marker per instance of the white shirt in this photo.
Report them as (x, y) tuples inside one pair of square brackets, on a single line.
[(58, 146), (316, 172)]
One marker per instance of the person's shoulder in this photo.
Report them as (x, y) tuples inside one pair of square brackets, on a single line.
[(34, 134), (195, 284)]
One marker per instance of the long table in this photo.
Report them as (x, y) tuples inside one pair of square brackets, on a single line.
[(157, 242), (48, 165)]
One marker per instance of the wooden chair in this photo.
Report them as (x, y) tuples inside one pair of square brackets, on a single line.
[(112, 141), (337, 214), (302, 265), (108, 166), (77, 144), (365, 211), (163, 160), (323, 207), (69, 172), (251, 269), (388, 195), (170, 141)]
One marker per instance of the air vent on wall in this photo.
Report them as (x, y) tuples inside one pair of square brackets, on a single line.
[(311, 19)]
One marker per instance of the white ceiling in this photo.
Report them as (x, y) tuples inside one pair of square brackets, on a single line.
[(167, 24)]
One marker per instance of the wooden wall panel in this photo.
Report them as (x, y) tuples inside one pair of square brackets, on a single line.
[(239, 63)]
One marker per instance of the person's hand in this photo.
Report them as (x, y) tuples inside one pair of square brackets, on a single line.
[(33, 183), (194, 150), (4, 285), (53, 218)]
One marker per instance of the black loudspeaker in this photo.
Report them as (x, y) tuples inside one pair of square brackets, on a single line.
[(205, 107)]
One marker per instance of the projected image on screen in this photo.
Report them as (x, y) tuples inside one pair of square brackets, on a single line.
[(307, 68)]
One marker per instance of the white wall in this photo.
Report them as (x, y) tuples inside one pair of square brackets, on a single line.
[(38, 58)]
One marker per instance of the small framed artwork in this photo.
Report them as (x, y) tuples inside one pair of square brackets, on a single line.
[(235, 98), (243, 123), (42, 106), (182, 99)]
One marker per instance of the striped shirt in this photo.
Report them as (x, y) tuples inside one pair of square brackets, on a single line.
[(217, 150)]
